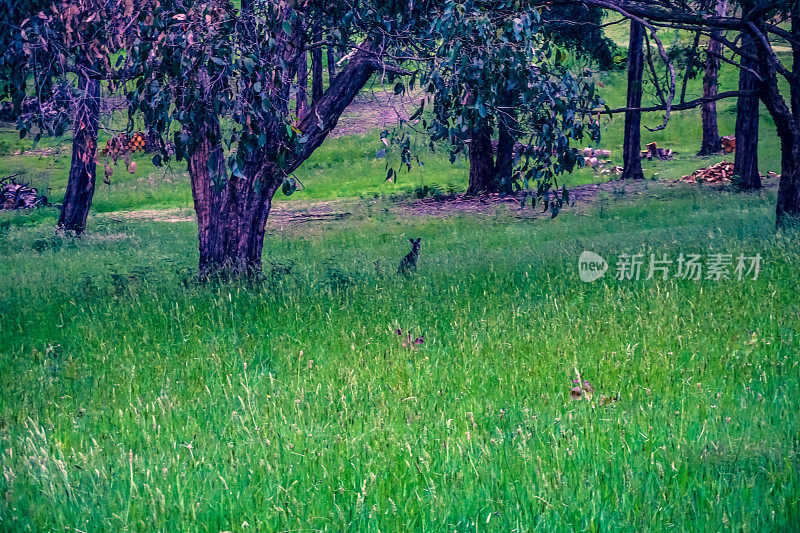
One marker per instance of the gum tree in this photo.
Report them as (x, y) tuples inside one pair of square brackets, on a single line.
[(218, 82), (61, 55), (500, 72)]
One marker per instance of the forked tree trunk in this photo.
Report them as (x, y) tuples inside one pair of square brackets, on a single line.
[(232, 210), (631, 148), (787, 209), (745, 163), (712, 143), (80, 184), (482, 172)]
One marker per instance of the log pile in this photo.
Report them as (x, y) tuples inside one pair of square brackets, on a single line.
[(122, 144), (729, 144), (721, 172), (593, 157), (15, 195), (654, 152)]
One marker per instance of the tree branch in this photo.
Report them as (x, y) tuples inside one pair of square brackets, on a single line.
[(691, 104)]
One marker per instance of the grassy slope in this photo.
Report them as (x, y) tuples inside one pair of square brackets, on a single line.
[(292, 404)]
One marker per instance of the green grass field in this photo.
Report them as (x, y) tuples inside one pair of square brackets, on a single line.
[(135, 398)]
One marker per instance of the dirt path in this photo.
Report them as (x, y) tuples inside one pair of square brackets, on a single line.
[(293, 214)]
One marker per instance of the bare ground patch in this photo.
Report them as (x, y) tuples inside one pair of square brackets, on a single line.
[(374, 110), (294, 214)]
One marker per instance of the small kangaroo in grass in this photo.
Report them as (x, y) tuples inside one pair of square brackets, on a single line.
[(409, 262)]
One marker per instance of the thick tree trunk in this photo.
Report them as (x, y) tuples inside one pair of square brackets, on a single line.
[(80, 184), (631, 148), (316, 71), (232, 210), (712, 143), (482, 172), (745, 164)]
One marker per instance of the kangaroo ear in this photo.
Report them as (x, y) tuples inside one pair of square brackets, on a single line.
[(411, 241), (419, 239)]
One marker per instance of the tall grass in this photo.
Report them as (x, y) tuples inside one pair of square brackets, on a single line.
[(133, 397)]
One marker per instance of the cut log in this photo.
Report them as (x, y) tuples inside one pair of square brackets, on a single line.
[(728, 143)]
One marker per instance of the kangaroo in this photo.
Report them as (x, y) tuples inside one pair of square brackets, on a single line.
[(409, 262)]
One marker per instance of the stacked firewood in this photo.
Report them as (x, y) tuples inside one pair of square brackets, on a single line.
[(122, 144), (654, 152), (728, 144), (721, 172), (15, 195)]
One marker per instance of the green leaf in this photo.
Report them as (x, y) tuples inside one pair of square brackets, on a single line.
[(289, 186)]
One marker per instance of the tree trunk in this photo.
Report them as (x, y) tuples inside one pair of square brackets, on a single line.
[(787, 209), (482, 172), (795, 87), (507, 125), (712, 143), (631, 148), (80, 184), (232, 210), (331, 55), (787, 120), (745, 163), (302, 85), (316, 71)]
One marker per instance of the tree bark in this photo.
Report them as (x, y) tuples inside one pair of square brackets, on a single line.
[(80, 184), (787, 121), (631, 148), (316, 71), (712, 143), (745, 164), (507, 125), (302, 85), (787, 209), (482, 172), (331, 55), (231, 213), (795, 87)]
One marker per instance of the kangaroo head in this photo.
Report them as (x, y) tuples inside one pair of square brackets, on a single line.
[(415, 245)]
